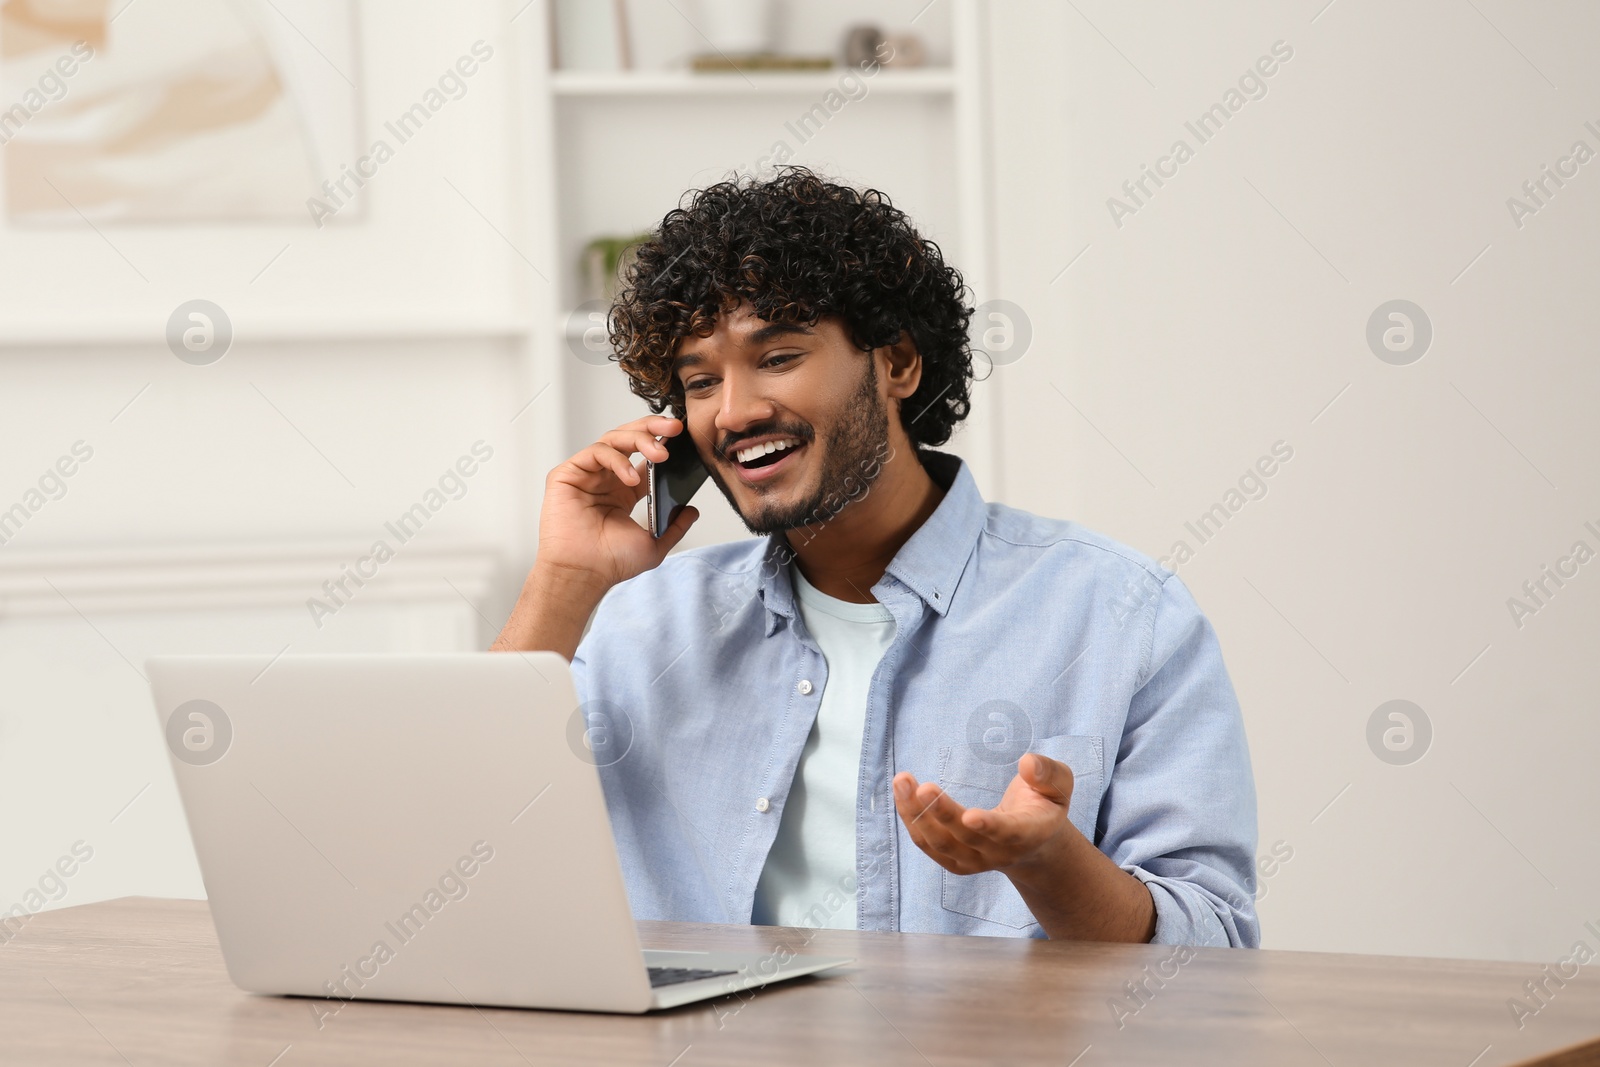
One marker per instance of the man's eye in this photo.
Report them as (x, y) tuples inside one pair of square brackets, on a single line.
[(776, 360), (697, 384)]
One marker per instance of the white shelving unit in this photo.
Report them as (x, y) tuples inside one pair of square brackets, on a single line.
[(686, 83), (612, 151)]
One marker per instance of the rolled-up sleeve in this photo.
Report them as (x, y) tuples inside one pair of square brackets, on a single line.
[(1180, 810)]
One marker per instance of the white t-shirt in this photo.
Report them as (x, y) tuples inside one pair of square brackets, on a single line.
[(810, 874)]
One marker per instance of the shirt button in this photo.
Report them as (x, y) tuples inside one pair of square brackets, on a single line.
[(804, 687), (762, 804)]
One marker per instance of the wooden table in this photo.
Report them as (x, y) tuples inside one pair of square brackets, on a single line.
[(140, 981)]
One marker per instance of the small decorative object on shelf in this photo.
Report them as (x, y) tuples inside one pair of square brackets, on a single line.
[(866, 43), (719, 63), (740, 35), (905, 50), (735, 26), (861, 44), (588, 35), (604, 260)]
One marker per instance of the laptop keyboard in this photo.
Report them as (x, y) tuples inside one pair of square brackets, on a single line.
[(660, 976)]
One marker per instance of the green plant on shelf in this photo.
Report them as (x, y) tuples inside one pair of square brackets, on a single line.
[(604, 260)]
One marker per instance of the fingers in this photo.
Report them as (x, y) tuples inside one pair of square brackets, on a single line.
[(628, 441), (967, 840), (1049, 777), (675, 530), (613, 455), (933, 820), (1010, 831), (942, 820), (616, 448), (926, 809), (664, 425), (599, 468), (640, 436)]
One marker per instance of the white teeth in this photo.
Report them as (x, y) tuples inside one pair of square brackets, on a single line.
[(756, 451)]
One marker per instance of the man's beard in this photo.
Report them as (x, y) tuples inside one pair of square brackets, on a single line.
[(852, 459)]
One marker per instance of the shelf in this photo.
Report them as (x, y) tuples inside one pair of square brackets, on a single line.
[(587, 83)]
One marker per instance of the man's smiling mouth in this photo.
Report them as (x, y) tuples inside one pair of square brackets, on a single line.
[(764, 455)]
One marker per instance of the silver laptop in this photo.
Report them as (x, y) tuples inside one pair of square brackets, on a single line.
[(419, 828)]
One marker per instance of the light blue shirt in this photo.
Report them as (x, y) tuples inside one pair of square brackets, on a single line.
[(1013, 632), (810, 875)]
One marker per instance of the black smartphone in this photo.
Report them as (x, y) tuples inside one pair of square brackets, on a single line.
[(674, 481)]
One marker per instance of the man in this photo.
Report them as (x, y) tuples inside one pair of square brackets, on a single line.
[(904, 708)]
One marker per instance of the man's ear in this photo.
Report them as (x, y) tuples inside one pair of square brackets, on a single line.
[(904, 371)]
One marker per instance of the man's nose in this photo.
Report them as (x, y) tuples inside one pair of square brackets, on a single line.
[(743, 404)]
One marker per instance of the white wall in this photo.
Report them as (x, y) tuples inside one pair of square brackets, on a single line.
[(1229, 311), (368, 356)]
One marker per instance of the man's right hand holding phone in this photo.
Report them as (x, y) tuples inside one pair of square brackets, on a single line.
[(588, 539)]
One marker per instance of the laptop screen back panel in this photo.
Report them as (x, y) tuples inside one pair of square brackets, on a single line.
[(403, 827)]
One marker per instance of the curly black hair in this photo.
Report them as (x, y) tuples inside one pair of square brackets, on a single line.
[(797, 247)]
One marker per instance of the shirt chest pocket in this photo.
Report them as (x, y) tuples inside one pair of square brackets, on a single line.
[(978, 783)]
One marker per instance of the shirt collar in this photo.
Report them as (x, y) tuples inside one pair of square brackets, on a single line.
[(931, 561)]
